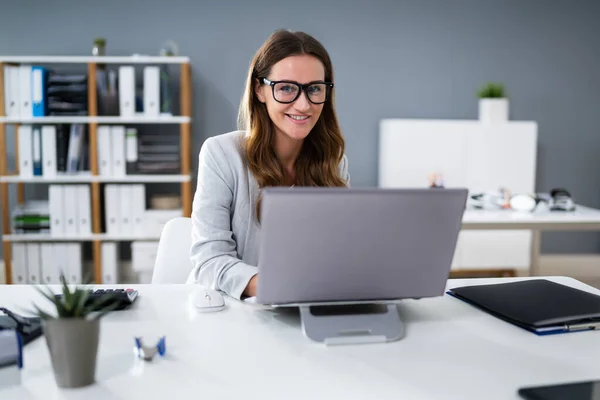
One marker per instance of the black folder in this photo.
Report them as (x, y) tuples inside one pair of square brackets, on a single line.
[(538, 305)]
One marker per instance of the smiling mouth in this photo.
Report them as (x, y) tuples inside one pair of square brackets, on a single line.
[(298, 117)]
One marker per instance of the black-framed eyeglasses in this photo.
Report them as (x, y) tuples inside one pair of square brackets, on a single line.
[(288, 91)]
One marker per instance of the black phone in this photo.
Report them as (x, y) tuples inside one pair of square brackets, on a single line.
[(584, 390)]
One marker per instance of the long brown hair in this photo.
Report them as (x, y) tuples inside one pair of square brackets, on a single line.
[(323, 148)]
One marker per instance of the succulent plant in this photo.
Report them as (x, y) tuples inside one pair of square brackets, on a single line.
[(492, 90)]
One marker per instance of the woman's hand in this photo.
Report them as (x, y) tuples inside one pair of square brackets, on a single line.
[(250, 290)]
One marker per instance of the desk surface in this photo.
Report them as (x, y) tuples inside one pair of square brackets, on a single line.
[(581, 218), (451, 351)]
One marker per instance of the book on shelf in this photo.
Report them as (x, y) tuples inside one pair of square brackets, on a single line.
[(31, 217)]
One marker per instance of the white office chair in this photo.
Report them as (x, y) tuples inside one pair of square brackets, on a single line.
[(173, 263)]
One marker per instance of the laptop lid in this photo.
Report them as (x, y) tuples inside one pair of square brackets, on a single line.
[(340, 245)]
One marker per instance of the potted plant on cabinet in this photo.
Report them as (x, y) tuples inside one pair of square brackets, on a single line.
[(72, 334), (493, 103)]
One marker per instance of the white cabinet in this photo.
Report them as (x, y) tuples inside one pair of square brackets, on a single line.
[(480, 157)]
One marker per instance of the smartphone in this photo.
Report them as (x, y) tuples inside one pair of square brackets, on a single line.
[(585, 390)]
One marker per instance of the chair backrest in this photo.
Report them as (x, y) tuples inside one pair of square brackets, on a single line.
[(173, 264)]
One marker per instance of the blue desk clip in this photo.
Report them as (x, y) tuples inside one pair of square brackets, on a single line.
[(147, 353)]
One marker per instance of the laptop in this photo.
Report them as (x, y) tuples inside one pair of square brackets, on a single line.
[(324, 246)]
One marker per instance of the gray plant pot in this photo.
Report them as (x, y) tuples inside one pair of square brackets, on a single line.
[(73, 346)]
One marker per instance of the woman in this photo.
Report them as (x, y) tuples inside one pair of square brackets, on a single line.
[(289, 135)]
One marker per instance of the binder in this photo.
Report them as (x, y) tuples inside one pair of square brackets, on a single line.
[(25, 151), (39, 90), (151, 91), (25, 104), (49, 151), (111, 211), (84, 212), (49, 275), (61, 261), (104, 151), (537, 305), (57, 210), (70, 211), (74, 263), (117, 139), (110, 259), (127, 91), (75, 151), (125, 209), (34, 261), (138, 201), (131, 150), (37, 150), (11, 91), (62, 147), (20, 273)]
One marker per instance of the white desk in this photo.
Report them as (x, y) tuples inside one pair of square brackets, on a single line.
[(451, 351), (582, 219)]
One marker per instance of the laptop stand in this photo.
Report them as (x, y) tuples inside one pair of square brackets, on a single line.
[(352, 324)]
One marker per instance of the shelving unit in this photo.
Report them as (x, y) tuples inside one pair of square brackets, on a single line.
[(93, 178)]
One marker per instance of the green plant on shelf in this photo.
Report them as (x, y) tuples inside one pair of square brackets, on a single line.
[(492, 91)]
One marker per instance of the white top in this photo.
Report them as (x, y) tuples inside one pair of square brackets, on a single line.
[(451, 351), (225, 231)]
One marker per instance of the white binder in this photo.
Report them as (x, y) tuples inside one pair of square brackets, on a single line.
[(126, 91), (111, 212), (11, 91), (61, 261), (117, 139), (84, 211), (104, 151), (25, 151), (75, 263), (25, 104), (126, 209), (48, 151), (19, 264), (139, 208), (70, 211), (34, 261), (110, 262), (57, 210), (50, 274), (151, 91)]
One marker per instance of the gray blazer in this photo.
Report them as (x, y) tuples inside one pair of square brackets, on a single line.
[(225, 232)]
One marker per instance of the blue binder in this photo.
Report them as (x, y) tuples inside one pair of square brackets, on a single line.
[(39, 84)]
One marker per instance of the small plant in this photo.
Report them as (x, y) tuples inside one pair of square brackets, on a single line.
[(75, 304), (492, 91), (100, 42)]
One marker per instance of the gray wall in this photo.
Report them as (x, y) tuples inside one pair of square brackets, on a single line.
[(394, 58)]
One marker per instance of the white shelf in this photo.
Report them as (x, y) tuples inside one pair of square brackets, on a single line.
[(87, 178), (95, 59), (46, 237), (164, 119)]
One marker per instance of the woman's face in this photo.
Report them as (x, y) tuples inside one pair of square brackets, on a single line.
[(294, 120)]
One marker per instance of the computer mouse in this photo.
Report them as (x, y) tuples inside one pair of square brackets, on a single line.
[(207, 300)]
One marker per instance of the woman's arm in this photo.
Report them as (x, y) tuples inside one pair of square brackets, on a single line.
[(214, 251)]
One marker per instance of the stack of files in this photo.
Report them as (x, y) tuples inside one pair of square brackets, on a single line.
[(70, 210), (67, 94), (32, 217), (25, 91), (155, 153), (537, 305), (43, 263)]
